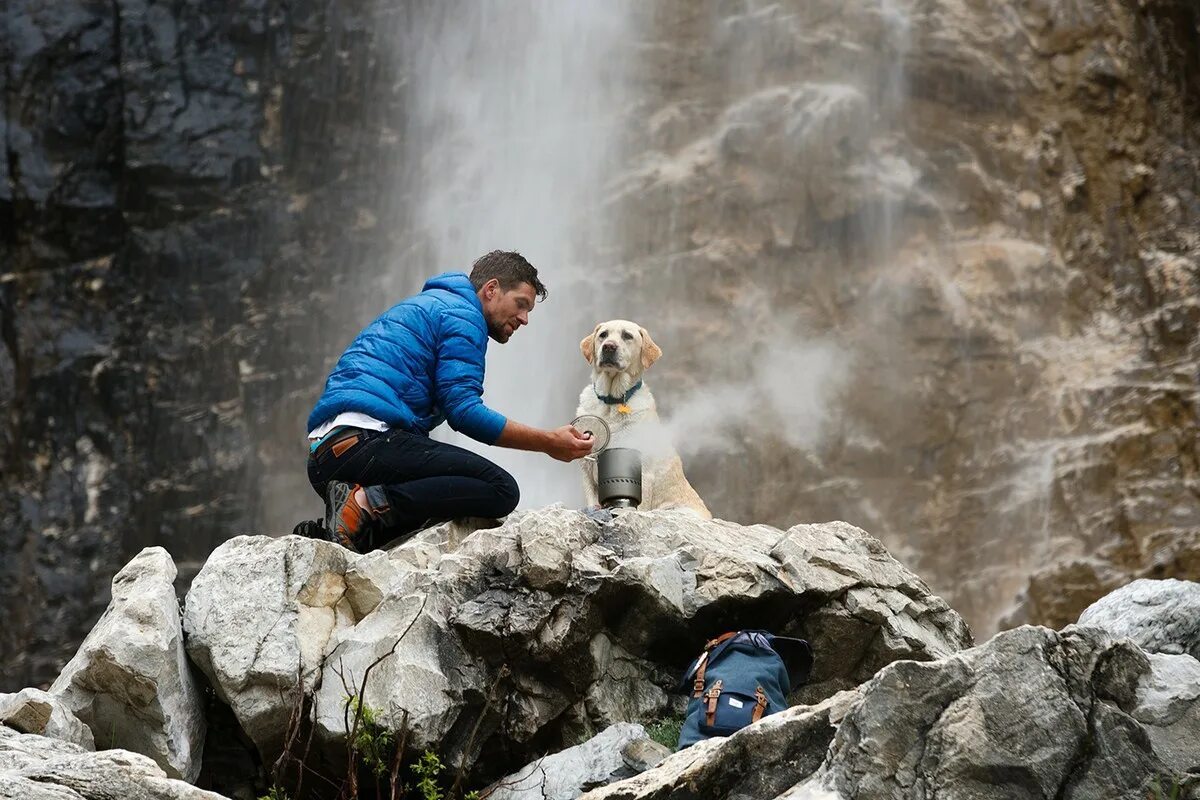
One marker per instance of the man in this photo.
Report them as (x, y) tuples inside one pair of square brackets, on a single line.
[(422, 362)]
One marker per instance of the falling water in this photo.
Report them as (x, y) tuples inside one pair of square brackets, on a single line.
[(512, 135)]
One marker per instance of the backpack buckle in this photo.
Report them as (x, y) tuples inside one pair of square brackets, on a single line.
[(760, 706), (712, 695)]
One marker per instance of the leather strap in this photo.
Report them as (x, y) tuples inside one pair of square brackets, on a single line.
[(339, 441), (712, 695), (702, 665), (760, 706)]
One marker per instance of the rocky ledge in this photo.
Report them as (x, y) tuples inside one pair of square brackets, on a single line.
[(557, 639)]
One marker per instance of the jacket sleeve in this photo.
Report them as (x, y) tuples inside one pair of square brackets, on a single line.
[(458, 382)]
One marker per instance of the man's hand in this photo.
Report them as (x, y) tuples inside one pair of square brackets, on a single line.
[(568, 444), (565, 443)]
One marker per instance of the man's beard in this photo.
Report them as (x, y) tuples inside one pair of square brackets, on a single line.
[(499, 332)]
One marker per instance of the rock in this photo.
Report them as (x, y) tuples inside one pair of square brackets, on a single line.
[(541, 631), (38, 768), (643, 754), (759, 761), (1159, 616), (1030, 713), (571, 772), (259, 616), (131, 682), (1167, 705), (35, 711)]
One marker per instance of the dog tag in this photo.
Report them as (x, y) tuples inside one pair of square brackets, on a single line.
[(623, 408)]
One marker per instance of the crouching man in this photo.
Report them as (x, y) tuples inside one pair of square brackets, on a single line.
[(417, 365)]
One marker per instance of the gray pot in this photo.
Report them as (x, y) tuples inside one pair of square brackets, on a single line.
[(619, 471)]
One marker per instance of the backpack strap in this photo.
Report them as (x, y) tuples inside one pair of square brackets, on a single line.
[(702, 663), (712, 695), (760, 706)]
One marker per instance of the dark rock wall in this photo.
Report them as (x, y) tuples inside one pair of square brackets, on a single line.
[(183, 194)]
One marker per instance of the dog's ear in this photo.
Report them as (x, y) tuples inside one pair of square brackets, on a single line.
[(588, 346), (650, 351)]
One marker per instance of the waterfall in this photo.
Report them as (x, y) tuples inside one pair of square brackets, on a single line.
[(511, 141)]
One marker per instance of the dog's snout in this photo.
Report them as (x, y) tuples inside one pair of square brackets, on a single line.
[(609, 347)]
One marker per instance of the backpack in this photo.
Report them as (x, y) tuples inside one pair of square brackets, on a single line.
[(740, 678)]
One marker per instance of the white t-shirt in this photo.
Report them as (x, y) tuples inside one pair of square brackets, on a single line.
[(352, 418)]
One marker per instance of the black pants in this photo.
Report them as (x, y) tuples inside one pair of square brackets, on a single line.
[(420, 480)]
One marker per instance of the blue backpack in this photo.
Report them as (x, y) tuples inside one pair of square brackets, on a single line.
[(741, 677)]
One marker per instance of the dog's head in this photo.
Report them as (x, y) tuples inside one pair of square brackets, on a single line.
[(620, 346)]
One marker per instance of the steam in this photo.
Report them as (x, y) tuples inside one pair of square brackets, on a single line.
[(790, 394), (785, 386)]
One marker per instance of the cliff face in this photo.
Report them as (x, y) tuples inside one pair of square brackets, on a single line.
[(961, 240), (182, 188), (947, 250)]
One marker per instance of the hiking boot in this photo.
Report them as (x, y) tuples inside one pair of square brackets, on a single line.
[(346, 522), (310, 529)]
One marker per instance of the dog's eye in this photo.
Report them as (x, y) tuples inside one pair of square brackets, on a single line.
[(602, 334), (627, 335)]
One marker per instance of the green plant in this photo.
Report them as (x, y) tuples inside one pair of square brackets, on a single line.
[(373, 743), (276, 793), (665, 730), (427, 770), (1159, 794)]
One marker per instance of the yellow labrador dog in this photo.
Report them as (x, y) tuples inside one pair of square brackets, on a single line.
[(619, 352)]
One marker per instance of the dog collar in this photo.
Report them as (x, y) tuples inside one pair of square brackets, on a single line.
[(617, 401)]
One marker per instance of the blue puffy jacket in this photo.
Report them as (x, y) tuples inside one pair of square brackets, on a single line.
[(419, 364)]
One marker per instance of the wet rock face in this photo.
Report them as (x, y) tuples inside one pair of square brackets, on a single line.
[(968, 235), (169, 215), (948, 251)]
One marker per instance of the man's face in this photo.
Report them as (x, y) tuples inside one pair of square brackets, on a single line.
[(506, 311)]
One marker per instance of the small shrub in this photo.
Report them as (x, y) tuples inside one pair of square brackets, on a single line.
[(427, 770), (665, 731), (373, 743), (276, 793)]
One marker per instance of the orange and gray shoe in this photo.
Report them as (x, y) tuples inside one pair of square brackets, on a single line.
[(346, 522)]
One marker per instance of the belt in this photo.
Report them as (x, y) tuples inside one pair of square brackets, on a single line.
[(339, 440)]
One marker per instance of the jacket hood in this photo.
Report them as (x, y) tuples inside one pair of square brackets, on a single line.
[(456, 282)]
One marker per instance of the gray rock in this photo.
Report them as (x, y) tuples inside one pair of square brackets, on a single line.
[(259, 617), (1031, 713), (1160, 616), (571, 772), (1166, 705), (35, 711), (38, 768), (643, 754), (759, 761), (131, 682), (546, 629)]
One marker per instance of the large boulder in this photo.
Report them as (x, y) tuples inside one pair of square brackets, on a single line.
[(130, 681), (1160, 616), (35, 711), (540, 632), (1031, 713), (259, 616), (38, 768)]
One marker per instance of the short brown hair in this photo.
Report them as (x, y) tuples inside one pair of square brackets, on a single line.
[(509, 268)]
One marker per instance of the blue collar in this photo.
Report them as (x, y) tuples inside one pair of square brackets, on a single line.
[(613, 401)]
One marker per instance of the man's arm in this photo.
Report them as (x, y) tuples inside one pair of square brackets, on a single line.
[(564, 444)]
